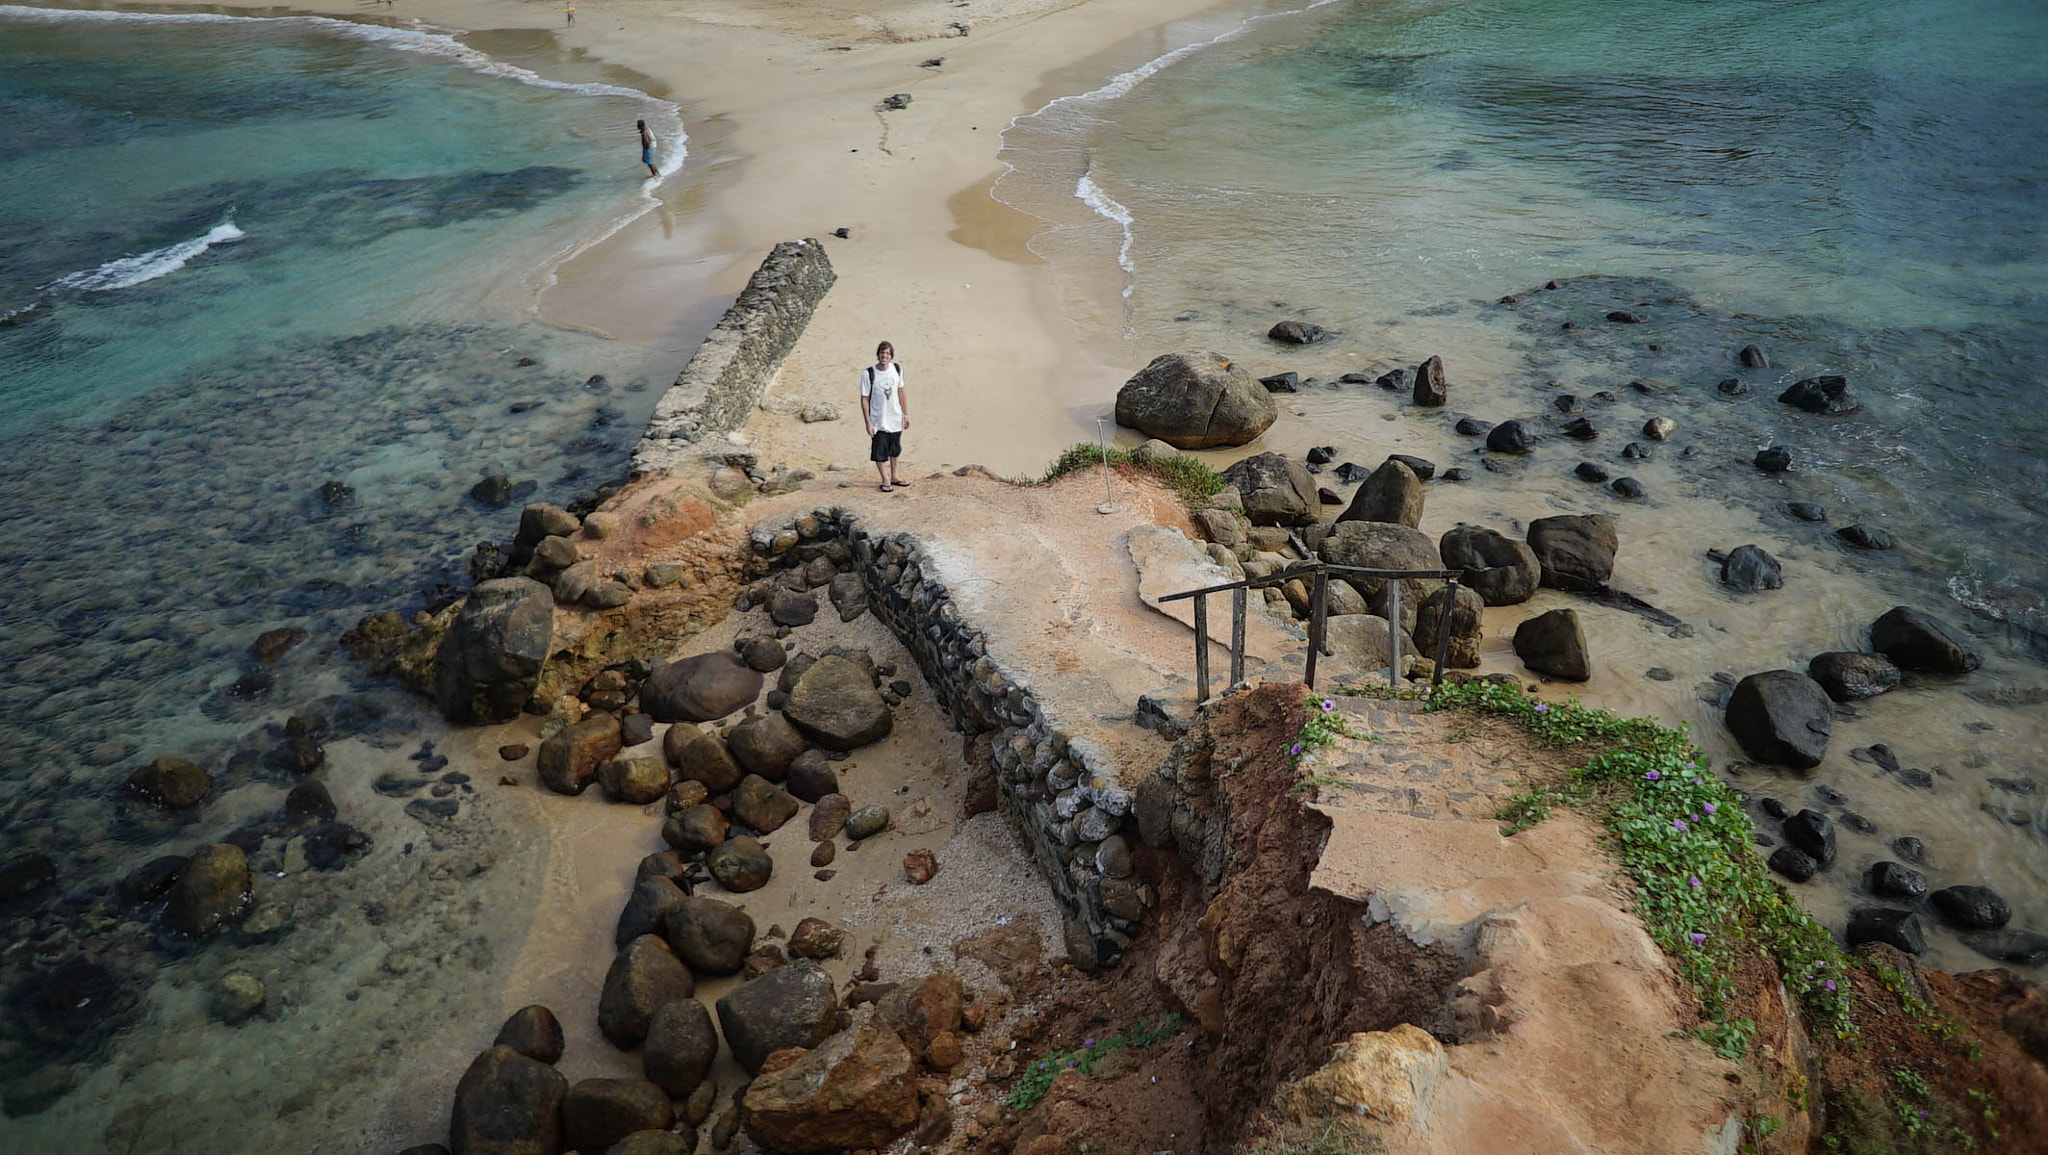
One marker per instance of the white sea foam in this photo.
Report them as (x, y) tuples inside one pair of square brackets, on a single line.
[(1121, 85), (130, 271)]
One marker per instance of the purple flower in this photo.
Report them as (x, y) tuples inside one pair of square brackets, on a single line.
[(1695, 818), (1709, 808), (1073, 1062), (1694, 880), (1328, 705), (1295, 749), (1652, 775), (1678, 824), (1697, 938), (1830, 984), (1087, 1042), (1543, 707)]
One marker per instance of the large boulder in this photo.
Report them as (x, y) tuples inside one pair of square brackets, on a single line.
[(855, 1091), (647, 908), (597, 1113), (171, 783), (491, 657), (1393, 493), (569, 761), (1502, 570), (1196, 401), (713, 937), (1848, 676), (1918, 641), (1972, 907), (508, 1104), (701, 756), (1576, 551), (1750, 568), (1430, 388), (1827, 395), (215, 890), (533, 1031), (1276, 490), (1383, 545), (700, 689), (645, 975), (1552, 643), (835, 704), (681, 1045), (766, 745), (1460, 619), (791, 1006), (1781, 717)]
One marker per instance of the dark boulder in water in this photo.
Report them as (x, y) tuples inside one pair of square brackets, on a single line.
[(1508, 437), (1829, 396), (1430, 387), (1295, 333), (1732, 387), (1422, 467), (1892, 880), (1576, 551), (1776, 459), (1972, 907), (1781, 717), (1898, 928), (1806, 511), (1627, 487), (1588, 471), (1553, 643), (1282, 383), (1750, 569), (1793, 863), (1624, 317), (1321, 455), (1848, 676), (1753, 356), (490, 661), (494, 490), (1813, 834), (2019, 947), (1866, 537), (1472, 427), (1918, 641), (1394, 379), (1579, 429), (1350, 473)]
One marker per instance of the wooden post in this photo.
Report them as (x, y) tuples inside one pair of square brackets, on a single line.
[(1394, 632), (1318, 603), (1237, 635), (1201, 648), (1443, 633)]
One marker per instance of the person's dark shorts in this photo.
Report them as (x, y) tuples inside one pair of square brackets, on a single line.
[(886, 446)]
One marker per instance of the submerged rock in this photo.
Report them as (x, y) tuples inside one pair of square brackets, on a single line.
[(1831, 396), (1919, 641), (1848, 676), (171, 783), (215, 890), (1749, 569)]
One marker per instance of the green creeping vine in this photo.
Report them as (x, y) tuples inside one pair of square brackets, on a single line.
[(1037, 1079), (1195, 482), (1324, 726), (1680, 834)]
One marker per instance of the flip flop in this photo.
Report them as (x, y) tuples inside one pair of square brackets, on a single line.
[(884, 489), (900, 484)]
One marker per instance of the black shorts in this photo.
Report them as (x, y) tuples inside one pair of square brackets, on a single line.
[(886, 446)]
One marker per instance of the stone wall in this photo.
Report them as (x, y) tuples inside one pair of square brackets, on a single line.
[(725, 378), (1059, 791)]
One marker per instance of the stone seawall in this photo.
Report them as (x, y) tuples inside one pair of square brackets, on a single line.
[(1060, 792), (725, 378)]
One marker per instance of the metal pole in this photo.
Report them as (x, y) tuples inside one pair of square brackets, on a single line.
[(1237, 635), (1443, 633), (1201, 647), (1318, 601), (1108, 494), (1394, 632)]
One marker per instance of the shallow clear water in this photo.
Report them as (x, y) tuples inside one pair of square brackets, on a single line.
[(1857, 188), (266, 314)]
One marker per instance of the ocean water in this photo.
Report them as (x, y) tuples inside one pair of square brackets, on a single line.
[(267, 312), (1856, 188)]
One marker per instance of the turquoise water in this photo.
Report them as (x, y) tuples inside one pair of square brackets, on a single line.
[(1858, 188), (266, 315)]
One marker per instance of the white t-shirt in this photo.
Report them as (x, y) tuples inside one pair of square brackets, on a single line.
[(882, 389)]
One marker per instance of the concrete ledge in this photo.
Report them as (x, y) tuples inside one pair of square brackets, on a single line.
[(726, 377)]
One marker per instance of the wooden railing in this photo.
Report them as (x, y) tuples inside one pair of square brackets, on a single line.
[(1318, 604)]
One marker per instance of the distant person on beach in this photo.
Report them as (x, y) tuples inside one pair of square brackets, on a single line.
[(885, 409), (570, 12), (647, 150)]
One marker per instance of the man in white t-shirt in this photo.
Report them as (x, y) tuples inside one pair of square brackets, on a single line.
[(886, 411)]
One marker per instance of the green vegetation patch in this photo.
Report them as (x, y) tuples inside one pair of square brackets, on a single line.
[(1037, 1079), (1195, 482)]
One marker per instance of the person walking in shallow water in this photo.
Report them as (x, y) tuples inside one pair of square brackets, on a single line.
[(885, 409), (570, 12), (647, 150)]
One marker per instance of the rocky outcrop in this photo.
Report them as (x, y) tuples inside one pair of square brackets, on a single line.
[(857, 1090), (1782, 717), (1502, 570), (1276, 490), (508, 1104), (1196, 401), (724, 380), (1576, 551), (491, 657)]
